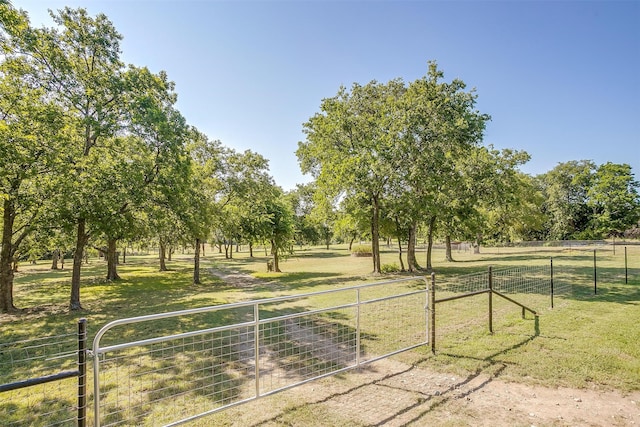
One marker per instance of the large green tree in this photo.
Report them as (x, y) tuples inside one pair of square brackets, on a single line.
[(123, 129), (150, 163), (31, 132), (613, 199), (440, 125), (566, 188), (349, 147), (78, 63)]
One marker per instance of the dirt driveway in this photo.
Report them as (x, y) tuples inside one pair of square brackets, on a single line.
[(390, 393)]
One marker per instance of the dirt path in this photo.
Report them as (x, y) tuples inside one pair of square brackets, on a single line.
[(236, 279), (391, 393)]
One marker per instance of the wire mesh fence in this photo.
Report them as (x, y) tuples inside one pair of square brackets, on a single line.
[(532, 285), (470, 306), (52, 403), (463, 284), (249, 350)]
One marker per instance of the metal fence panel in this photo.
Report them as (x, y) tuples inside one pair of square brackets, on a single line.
[(39, 381), (215, 357)]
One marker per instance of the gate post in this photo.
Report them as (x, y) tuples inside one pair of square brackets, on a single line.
[(626, 271), (82, 372), (595, 274), (490, 301), (433, 312), (551, 264)]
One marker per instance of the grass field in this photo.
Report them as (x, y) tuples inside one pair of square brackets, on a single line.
[(586, 341)]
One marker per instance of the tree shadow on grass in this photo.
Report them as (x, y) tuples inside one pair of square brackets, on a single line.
[(491, 368)]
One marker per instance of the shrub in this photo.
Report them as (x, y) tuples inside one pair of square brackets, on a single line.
[(389, 268), (361, 250)]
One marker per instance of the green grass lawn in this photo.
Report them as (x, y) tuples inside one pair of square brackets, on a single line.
[(587, 340)]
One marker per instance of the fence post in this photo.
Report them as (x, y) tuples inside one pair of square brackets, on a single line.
[(595, 274), (490, 301), (358, 339), (433, 312), (551, 263), (626, 274), (82, 372), (256, 349)]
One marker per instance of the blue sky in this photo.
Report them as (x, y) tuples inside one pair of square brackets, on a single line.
[(561, 80)]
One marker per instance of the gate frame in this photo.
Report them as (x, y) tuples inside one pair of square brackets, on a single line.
[(97, 351)]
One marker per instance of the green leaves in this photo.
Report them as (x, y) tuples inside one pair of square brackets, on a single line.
[(585, 201), (613, 197), (393, 145)]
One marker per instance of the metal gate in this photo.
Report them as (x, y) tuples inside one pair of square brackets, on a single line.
[(170, 368)]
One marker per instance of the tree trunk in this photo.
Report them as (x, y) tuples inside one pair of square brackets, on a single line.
[(124, 254), (112, 259), (6, 257), (375, 235), (448, 254), (432, 226), (250, 249), (476, 244), (55, 255), (412, 262), (196, 264), (351, 243), (170, 253), (276, 261), (81, 240), (163, 253), (203, 249), (400, 254)]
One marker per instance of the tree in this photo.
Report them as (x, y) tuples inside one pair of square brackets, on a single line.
[(199, 202), (439, 126), (614, 200), (301, 199), (346, 226), (566, 189), (148, 165), (280, 229), (349, 147), (123, 128), (79, 65), (245, 183), (31, 132), (500, 202)]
